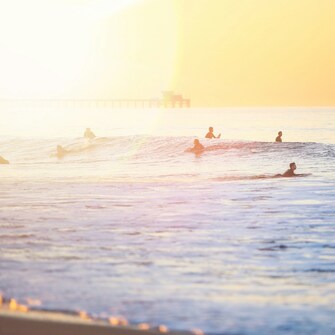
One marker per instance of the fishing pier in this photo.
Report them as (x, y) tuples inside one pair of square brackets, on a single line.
[(168, 100)]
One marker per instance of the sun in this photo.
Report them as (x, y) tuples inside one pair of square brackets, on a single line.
[(47, 46)]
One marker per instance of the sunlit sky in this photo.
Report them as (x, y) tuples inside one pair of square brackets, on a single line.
[(216, 52)]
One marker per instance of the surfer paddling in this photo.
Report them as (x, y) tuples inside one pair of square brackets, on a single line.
[(290, 172)]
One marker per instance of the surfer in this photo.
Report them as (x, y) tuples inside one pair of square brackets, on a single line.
[(278, 138), (89, 134), (210, 133), (198, 147), (290, 171), (61, 151), (3, 160)]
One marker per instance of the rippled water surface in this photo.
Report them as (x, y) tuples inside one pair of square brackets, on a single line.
[(130, 224)]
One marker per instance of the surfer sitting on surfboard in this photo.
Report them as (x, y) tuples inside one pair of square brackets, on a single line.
[(89, 134), (278, 138), (210, 133)]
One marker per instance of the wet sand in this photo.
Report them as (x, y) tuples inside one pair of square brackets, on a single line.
[(13, 322)]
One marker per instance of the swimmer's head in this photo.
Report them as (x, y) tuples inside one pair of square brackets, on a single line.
[(210, 129), (293, 166), (280, 133), (196, 141)]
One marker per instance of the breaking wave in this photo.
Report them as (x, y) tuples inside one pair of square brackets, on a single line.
[(148, 147)]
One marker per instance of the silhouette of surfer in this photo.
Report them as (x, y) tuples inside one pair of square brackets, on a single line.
[(197, 148), (3, 160), (89, 134), (278, 138), (290, 171), (61, 151), (210, 133)]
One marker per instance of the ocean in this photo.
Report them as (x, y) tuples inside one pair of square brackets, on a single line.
[(131, 224)]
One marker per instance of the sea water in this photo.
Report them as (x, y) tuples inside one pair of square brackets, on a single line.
[(130, 224)]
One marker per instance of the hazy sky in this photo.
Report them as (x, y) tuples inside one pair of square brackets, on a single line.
[(216, 52)]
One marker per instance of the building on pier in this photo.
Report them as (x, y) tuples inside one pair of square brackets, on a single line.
[(170, 99)]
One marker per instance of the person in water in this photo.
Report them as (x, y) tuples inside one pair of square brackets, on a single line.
[(89, 134), (61, 151), (278, 138), (210, 133), (197, 146), (290, 171), (3, 160)]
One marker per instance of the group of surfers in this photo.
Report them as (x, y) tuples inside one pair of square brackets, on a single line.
[(198, 148)]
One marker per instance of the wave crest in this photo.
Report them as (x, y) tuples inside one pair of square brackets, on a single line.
[(148, 147)]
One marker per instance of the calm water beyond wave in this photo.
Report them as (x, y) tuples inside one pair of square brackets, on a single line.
[(130, 224)]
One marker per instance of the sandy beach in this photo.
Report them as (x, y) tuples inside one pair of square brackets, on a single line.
[(37, 322)]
